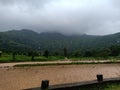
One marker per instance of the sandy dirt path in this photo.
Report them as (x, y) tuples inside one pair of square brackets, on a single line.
[(2, 65), (30, 77)]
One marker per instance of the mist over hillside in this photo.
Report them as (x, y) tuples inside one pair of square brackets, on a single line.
[(23, 40), (93, 17)]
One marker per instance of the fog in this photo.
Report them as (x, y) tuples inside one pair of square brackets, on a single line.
[(94, 17)]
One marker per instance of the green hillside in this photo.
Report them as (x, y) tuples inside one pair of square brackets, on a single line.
[(29, 40)]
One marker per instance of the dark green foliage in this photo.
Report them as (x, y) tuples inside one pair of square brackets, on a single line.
[(13, 56), (46, 53), (105, 53), (77, 54), (56, 53), (35, 53), (32, 54), (88, 54), (0, 53), (65, 52), (32, 57), (100, 86), (115, 50), (26, 40)]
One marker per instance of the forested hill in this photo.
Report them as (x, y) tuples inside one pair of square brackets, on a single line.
[(29, 40)]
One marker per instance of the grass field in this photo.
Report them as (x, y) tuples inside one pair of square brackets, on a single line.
[(113, 87), (107, 86), (23, 58)]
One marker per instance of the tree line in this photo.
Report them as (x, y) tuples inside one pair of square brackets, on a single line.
[(106, 52)]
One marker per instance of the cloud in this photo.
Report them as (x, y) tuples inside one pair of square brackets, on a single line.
[(64, 16)]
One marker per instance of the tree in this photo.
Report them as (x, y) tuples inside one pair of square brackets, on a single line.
[(56, 53), (115, 50), (77, 54), (13, 56), (32, 58), (105, 53), (0, 53), (32, 54), (46, 53), (65, 52), (88, 54)]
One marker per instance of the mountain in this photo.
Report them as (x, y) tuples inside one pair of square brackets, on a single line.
[(23, 40)]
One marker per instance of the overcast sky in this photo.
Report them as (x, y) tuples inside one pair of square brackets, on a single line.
[(96, 17)]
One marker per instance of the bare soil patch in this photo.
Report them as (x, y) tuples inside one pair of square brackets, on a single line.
[(29, 77)]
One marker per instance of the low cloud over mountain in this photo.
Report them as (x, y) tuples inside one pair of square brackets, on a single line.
[(64, 16)]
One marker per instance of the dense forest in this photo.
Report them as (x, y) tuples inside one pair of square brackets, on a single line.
[(23, 41)]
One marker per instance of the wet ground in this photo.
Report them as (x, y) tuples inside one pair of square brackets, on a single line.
[(29, 77)]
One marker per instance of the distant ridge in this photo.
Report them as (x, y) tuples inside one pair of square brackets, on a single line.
[(25, 39)]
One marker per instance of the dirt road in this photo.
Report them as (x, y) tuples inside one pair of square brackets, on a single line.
[(2, 65), (29, 77)]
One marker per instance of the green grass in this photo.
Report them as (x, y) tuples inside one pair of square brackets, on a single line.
[(112, 87), (18, 58), (95, 58), (22, 58), (108, 86), (104, 86), (50, 58)]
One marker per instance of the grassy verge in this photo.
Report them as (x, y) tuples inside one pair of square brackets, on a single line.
[(53, 64), (107, 86), (5, 58), (23, 58), (95, 58), (113, 87)]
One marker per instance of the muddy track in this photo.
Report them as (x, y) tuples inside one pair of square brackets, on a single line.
[(7, 65), (29, 77)]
